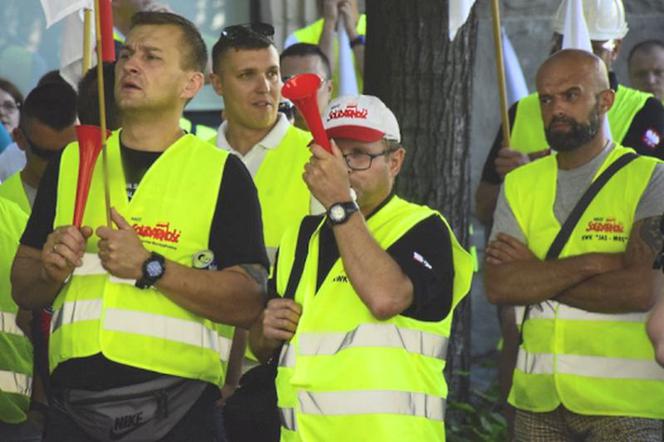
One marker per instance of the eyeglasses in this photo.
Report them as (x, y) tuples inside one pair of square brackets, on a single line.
[(10, 106), (362, 161), (234, 32)]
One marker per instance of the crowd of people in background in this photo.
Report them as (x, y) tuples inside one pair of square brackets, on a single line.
[(245, 283)]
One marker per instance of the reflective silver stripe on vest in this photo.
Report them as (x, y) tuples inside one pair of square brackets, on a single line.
[(287, 356), (163, 327), (614, 368), (76, 311), (287, 417), (534, 363), (92, 266), (8, 324), (18, 383), (344, 403), (271, 253), (374, 335), (555, 310), (571, 313), (590, 366), (224, 347)]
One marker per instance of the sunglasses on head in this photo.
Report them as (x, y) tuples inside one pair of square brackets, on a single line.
[(234, 31)]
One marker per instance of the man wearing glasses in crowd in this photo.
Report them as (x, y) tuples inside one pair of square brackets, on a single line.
[(365, 311), (245, 65)]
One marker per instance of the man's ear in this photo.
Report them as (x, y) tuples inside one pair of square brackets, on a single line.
[(396, 161), (606, 99), (215, 81), (19, 137), (195, 83)]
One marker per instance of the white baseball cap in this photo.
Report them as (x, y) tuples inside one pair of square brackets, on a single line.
[(363, 118)]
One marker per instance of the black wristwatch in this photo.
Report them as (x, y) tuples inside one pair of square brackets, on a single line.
[(153, 269), (338, 213)]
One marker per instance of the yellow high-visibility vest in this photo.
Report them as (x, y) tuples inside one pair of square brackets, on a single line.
[(15, 348), (172, 212), (346, 375), (591, 363)]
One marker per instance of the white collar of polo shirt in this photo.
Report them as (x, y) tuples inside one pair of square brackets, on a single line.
[(254, 157)]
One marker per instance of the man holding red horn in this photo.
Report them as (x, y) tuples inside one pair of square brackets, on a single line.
[(143, 310)]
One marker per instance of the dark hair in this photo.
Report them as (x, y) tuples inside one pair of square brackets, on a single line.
[(53, 104), (195, 54), (645, 46), (88, 98), (51, 77), (12, 90), (242, 37), (305, 50)]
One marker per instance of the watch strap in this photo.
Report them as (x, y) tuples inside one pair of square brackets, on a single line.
[(349, 208), (147, 280)]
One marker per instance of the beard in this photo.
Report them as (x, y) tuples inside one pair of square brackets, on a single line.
[(578, 133)]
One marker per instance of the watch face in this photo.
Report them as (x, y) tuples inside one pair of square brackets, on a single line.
[(153, 269), (337, 212)]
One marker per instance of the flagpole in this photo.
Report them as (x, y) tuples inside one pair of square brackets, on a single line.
[(87, 20), (500, 70), (102, 113)]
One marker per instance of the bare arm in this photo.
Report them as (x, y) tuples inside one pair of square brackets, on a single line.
[(233, 295), (38, 275), (326, 41), (486, 197), (656, 330), (376, 277), (276, 325), (632, 287), (350, 24), (513, 275)]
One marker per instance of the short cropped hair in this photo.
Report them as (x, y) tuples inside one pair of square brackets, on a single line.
[(305, 50), (53, 104), (195, 52), (240, 40), (88, 98), (645, 46)]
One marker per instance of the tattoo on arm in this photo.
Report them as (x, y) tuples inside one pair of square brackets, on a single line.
[(257, 273), (651, 234)]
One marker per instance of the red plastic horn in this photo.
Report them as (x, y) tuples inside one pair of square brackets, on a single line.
[(302, 90), (89, 146)]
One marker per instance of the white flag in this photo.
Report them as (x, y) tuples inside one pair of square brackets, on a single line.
[(458, 12), (347, 78), (56, 10), (575, 29), (71, 50), (515, 81)]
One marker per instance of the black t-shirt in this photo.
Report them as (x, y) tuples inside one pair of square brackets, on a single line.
[(236, 237), (645, 134), (424, 254)]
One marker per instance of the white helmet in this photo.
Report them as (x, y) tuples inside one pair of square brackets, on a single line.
[(605, 19)]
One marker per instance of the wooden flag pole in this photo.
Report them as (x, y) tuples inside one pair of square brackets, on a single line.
[(87, 31), (500, 70), (102, 114)]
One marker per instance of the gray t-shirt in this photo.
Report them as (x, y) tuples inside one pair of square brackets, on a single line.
[(570, 187)]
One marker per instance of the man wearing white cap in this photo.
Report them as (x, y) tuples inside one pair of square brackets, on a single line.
[(363, 295)]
